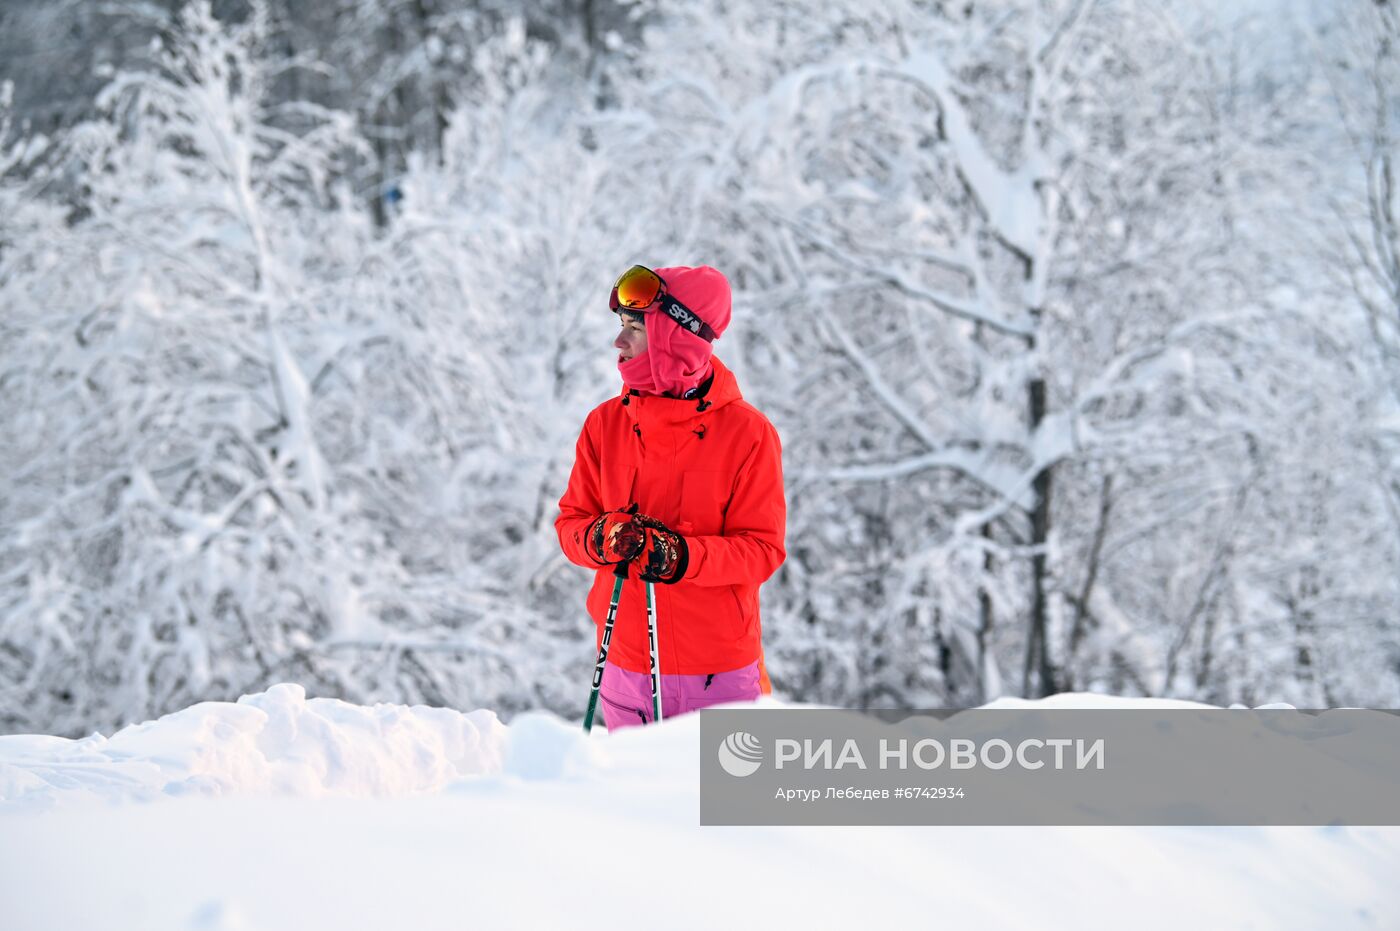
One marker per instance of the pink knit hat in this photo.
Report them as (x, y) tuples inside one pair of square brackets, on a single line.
[(676, 359)]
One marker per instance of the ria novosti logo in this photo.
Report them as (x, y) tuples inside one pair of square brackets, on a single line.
[(740, 754)]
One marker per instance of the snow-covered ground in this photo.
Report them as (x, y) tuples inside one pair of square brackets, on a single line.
[(283, 812)]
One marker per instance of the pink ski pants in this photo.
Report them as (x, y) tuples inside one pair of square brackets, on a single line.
[(625, 696)]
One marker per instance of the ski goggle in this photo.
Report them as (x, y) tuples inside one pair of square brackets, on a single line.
[(640, 288)]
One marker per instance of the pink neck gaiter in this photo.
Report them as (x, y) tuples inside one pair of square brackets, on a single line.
[(637, 374)]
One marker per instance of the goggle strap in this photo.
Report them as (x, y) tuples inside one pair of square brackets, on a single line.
[(686, 318)]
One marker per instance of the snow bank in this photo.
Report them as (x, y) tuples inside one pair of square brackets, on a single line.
[(273, 743)]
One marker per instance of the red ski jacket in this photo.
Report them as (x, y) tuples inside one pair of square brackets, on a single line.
[(710, 468)]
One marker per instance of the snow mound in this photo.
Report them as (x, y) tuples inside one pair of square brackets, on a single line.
[(277, 742)]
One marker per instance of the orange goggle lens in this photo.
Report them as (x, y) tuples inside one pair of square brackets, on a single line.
[(637, 288)]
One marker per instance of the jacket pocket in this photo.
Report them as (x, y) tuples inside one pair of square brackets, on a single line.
[(708, 631), (704, 498)]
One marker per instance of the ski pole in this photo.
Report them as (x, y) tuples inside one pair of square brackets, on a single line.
[(655, 665), (621, 573)]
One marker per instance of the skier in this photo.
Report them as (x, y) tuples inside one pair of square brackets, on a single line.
[(678, 480)]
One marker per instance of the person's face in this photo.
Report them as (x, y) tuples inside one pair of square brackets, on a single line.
[(631, 337)]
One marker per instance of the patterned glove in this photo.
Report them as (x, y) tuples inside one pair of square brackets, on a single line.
[(615, 537), (664, 553)]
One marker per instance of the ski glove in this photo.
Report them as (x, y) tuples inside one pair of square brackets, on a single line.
[(664, 554), (615, 537)]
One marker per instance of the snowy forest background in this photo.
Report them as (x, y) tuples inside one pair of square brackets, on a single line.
[(1079, 320)]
